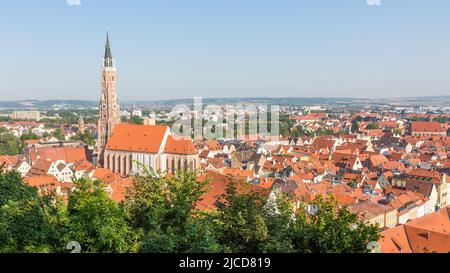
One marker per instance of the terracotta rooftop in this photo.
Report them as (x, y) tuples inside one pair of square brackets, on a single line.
[(137, 138), (427, 234), (428, 127), (180, 146)]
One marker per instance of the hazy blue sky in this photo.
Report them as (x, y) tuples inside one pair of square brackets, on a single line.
[(225, 48)]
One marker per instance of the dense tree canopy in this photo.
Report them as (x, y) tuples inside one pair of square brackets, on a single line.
[(163, 208), (9, 144), (59, 134), (28, 136), (86, 137), (96, 221), (373, 126), (331, 230), (248, 224), (24, 225), (159, 215)]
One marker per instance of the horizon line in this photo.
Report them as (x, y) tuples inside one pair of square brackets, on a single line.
[(237, 98)]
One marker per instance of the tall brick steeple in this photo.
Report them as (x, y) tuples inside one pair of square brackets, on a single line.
[(109, 103)]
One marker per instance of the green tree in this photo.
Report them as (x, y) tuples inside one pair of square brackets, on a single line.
[(164, 209), (9, 144), (59, 134), (373, 126), (397, 131), (242, 223), (136, 120), (96, 221), (24, 225), (331, 229), (279, 213), (355, 126), (87, 138), (160, 215), (4, 119), (297, 133), (442, 119), (246, 223), (326, 132), (28, 136)]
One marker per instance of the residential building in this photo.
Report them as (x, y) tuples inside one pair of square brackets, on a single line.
[(26, 115), (375, 214), (427, 129)]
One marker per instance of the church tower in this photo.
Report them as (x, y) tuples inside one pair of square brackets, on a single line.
[(109, 103), (81, 126)]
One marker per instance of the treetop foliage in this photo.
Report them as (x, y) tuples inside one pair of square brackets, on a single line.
[(160, 215)]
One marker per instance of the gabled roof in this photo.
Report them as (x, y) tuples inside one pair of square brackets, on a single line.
[(8, 161), (61, 166), (104, 175), (67, 154), (368, 210), (323, 142), (377, 160), (424, 175), (179, 146), (137, 138), (41, 167), (213, 145), (82, 165), (41, 180), (421, 187), (429, 127), (395, 240), (427, 234), (238, 172)]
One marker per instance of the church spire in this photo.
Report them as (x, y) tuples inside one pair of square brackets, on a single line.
[(109, 110), (108, 60)]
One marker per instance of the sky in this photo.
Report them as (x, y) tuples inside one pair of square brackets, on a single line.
[(170, 49)]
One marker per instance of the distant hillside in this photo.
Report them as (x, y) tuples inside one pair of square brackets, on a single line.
[(76, 104), (46, 104)]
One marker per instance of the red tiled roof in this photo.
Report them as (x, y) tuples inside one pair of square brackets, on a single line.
[(395, 240), (427, 234), (105, 175), (8, 160), (377, 160), (68, 154), (238, 172), (119, 189), (217, 187), (213, 145), (41, 167), (137, 138), (82, 166), (41, 180), (180, 146), (422, 173), (429, 127)]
